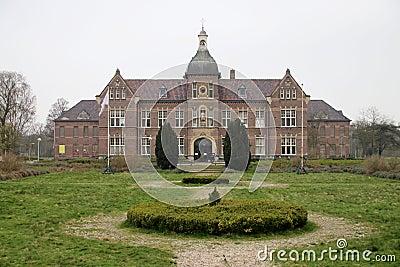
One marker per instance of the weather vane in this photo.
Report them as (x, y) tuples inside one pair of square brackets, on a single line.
[(202, 23)]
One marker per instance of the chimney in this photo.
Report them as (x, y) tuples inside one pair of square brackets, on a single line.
[(232, 74)]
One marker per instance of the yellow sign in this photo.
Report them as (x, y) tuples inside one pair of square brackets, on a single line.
[(61, 149)]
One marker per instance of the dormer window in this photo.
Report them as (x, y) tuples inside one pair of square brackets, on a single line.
[(162, 92), (242, 92), (83, 115)]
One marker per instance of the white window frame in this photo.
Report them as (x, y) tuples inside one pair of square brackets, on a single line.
[(226, 117), (179, 117), (117, 146), (260, 146), (287, 93), (162, 117), (117, 117), (181, 146), (210, 118), (116, 93), (260, 118), (210, 90), (288, 117), (243, 116), (194, 118), (145, 118), (282, 93), (294, 94), (111, 93), (288, 145), (123, 93), (145, 146), (194, 90)]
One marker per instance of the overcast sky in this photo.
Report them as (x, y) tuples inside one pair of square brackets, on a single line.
[(345, 52)]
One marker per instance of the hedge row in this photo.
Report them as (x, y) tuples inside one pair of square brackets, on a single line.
[(388, 175), (239, 216), (22, 174), (204, 180)]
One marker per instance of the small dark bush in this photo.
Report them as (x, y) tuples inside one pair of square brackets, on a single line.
[(204, 180), (118, 163), (229, 216), (214, 197)]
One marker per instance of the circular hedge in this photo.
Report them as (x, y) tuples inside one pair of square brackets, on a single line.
[(232, 216)]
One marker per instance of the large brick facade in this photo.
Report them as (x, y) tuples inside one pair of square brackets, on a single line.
[(275, 111)]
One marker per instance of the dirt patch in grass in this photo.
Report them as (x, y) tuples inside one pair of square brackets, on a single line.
[(213, 252)]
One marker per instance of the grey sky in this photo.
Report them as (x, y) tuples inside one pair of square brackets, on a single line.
[(345, 52)]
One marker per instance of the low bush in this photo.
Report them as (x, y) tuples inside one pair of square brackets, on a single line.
[(229, 216), (204, 180), (10, 163), (374, 164), (118, 163)]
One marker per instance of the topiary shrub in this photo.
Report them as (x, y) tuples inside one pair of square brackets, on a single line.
[(166, 148), (229, 216)]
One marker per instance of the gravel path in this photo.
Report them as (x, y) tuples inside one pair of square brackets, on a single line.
[(218, 251)]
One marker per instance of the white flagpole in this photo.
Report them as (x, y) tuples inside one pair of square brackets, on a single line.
[(108, 136), (302, 128)]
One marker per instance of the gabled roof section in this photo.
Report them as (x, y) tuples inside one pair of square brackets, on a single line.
[(319, 110), (89, 108), (117, 79), (288, 78)]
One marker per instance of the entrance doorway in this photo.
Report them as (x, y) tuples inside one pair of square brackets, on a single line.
[(202, 149)]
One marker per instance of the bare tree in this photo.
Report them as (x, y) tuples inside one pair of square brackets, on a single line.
[(17, 108), (374, 132), (55, 111)]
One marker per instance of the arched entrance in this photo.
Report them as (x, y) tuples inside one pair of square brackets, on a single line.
[(202, 149)]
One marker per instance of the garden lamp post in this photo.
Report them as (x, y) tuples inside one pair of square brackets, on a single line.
[(38, 148)]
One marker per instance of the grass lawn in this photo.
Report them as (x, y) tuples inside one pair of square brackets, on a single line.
[(33, 211)]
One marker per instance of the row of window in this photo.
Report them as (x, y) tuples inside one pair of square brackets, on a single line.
[(288, 94), (332, 131), (332, 150), (202, 117), (117, 93), (85, 132), (117, 147)]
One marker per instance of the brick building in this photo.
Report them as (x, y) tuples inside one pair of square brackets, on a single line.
[(280, 118)]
